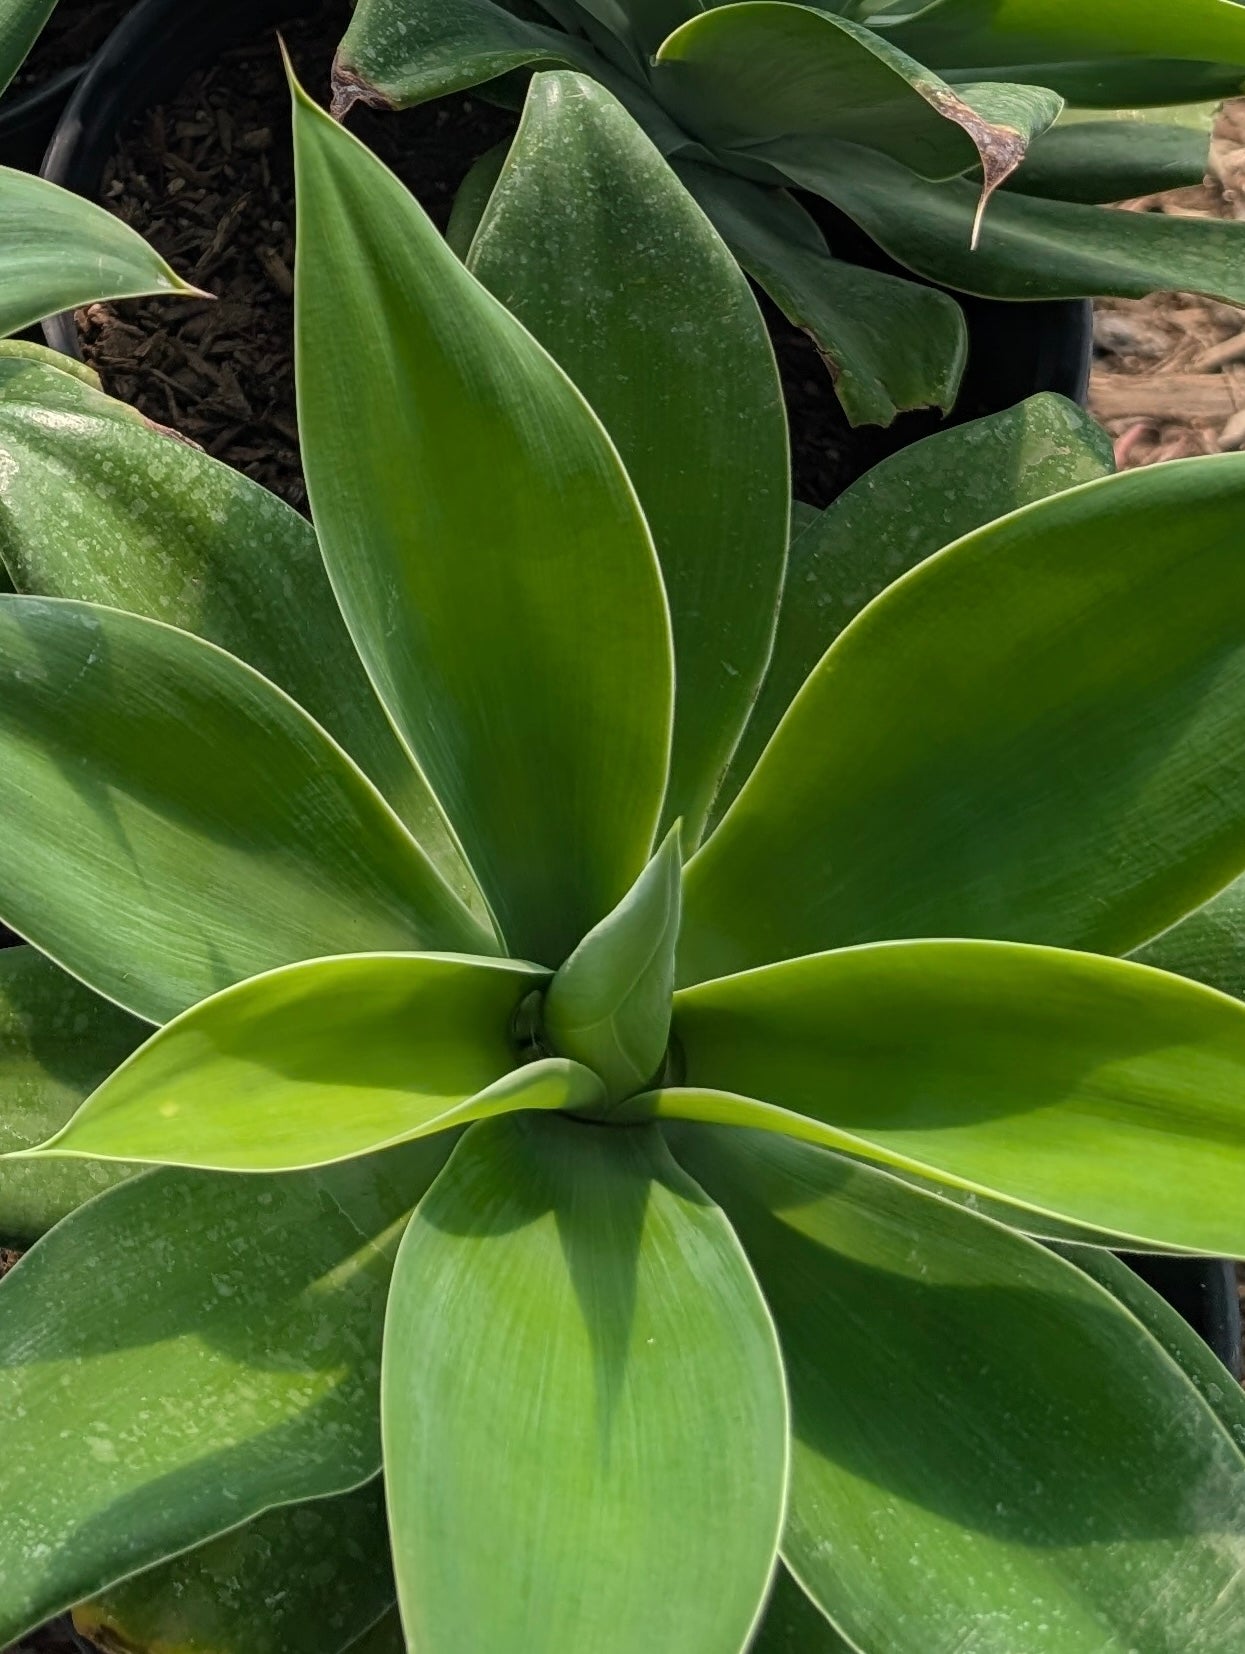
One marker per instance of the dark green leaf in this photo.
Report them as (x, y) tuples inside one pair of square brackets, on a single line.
[(303, 1579), (184, 1353), (629, 270), (58, 1040), (487, 549), (1091, 1089), (584, 1415), (323, 1061), (794, 1624), (97, 504), (1038, 733), (174, 823), (1208, 946), (901, 512), (983, 1438), (1117, 158)]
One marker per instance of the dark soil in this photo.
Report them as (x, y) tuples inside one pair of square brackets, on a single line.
[(208, 179), (74, 32)]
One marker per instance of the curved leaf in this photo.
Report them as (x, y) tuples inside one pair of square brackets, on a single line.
[(631, 272), (95, 503), (1030, 248), (1092, 1089), (184, 1353), (303, 1579), (20, 23), (584, 1415), (174, 823), (746, 74), (58, 1040), (890, 345), (609, 1005), (794, 1624), (61, 251), (900, 512), (1208, 945), (396, 55), (323, 1061), (487, 550), (982, 1435), (1038, 734), (1096, 160)]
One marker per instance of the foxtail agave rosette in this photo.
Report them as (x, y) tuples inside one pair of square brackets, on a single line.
[(544, 1120)]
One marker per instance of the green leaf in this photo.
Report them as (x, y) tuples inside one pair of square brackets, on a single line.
[(385, 1637), (184, 1353), (58, 1040), (631, 271), (1091, 159), (1208, 945), (584, 1414), (322, 1061), (981, 1436), (95, 503), (890, 345), (25, 350), (1094, 1090), (501, 611), (793, 1624), (394, 55), (174, 823), (743, 75), (20, 23), (1030, 248), (303, 1579), (1038, 734), (609, 1005), (61, 251), (901, 512), (471, 201)]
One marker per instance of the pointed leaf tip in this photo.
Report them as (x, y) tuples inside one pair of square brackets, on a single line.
[(609, 1005)]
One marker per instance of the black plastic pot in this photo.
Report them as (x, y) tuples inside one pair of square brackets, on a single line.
[(1016, 350), (28, 118)]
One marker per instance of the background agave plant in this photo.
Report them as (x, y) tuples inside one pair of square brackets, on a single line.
[(905, 116), (709, 1277)]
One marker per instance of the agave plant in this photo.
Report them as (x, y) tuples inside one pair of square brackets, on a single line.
[(905, 116), (615, 1204)]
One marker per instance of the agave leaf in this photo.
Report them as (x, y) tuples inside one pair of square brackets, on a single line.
[(209, 1347), (174, 823), (20, 23), (323, 1061), (1208, 945), (1037, 734), (61, 251), (302, 1579), (499, 613), (1094, 1090), (980, 1432), (471, 201), (58, 1040), (26, 350), (899, 513), (1030, 248), (385, 1637), (394, 56), (890, 344), (96, 503), (636, 272), (794, 1624), (609, 1005), (1092, 156), (742, 76), (606, 1468)]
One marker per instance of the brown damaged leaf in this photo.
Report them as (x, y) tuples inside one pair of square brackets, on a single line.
[(349, 87), (1001, 148)]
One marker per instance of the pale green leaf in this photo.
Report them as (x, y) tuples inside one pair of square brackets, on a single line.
[(902, 511), (1038, 733), (982, 1437), (608, 1007), (173, 822), (323, 1061), (184, 1353), (20, 23), (1094, 1090), (26, 350), (96, 503), (487, 549), (891, 345), (61, 251), (630, 271), (584, 1414), (58, 1040), (302, 1579)]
